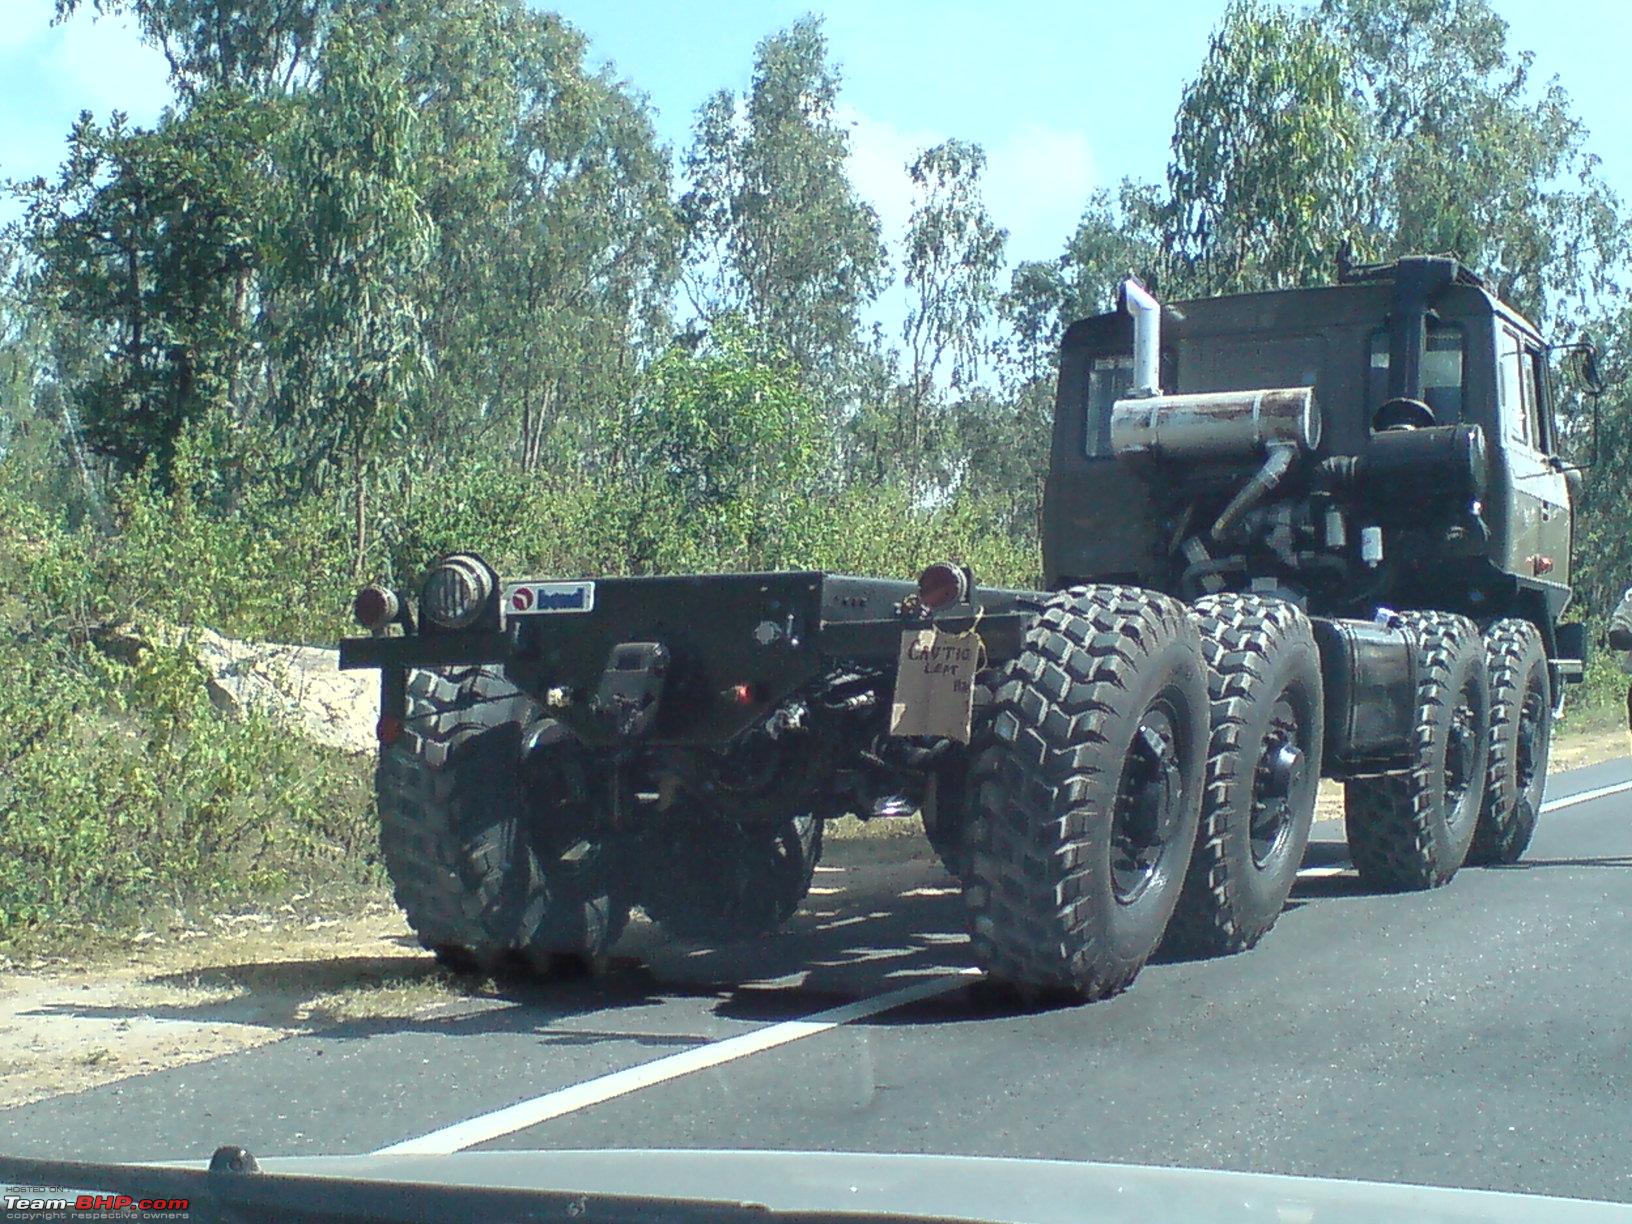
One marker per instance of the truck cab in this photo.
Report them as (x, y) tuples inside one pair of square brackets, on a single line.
[(1473, 515)]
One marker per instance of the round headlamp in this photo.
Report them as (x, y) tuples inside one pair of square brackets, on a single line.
[(456, 591)]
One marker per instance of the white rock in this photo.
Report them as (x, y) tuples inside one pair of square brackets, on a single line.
[(301, 687)]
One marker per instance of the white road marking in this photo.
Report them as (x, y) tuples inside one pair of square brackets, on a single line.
[(520, 1116), (1564, 801), (461, 1135), (1317, 873)]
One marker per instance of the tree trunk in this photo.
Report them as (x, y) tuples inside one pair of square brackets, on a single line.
[(235, 358), (540, 425), (360, 505)]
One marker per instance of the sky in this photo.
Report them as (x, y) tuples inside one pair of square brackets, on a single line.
[(1064, 97)]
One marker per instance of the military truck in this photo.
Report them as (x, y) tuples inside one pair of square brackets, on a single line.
[(1287, 535)]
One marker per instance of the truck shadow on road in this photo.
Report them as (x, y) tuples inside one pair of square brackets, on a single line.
[(878, 920), (1608, 860)]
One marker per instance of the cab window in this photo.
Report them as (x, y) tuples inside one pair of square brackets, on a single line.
[(1519, 390), (1442, 371), (1535, 382), (1108, 381)]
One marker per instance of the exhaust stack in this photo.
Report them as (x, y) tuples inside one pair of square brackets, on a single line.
[(1147, 338)]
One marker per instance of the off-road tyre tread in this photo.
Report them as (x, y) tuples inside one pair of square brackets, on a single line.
[(1513, 648), (685, 907), (450, 862), (1389, 820), (1036, 789), (1241, 635)]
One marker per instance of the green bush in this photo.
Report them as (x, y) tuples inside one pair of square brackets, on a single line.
[(122, 788)]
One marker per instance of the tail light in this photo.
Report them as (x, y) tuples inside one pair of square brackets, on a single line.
[(375, 607), (943, 584)]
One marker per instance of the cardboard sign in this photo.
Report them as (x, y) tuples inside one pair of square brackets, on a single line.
[(935, 684)]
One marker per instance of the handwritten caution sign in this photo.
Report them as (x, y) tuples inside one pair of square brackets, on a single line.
[(935, 684)]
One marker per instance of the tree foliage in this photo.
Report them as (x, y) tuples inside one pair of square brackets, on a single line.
[(356, 235), (776, 232), (142, 248), (1266, 155), (1465, 154), (254, 45)]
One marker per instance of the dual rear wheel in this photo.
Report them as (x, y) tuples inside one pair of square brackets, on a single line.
[(489, 830), (1145, 776)]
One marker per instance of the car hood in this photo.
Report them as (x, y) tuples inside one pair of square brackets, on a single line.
[(959, 1187)]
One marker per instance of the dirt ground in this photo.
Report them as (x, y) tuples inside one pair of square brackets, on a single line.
[(199, 990)]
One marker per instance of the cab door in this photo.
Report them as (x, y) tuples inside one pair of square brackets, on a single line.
[(1539, 542)]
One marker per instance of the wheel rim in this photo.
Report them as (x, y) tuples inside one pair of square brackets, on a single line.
[(1461, 751), (1277, 778), (1531, 744), (1149, 803)]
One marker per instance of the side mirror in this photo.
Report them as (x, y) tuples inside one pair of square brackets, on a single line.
[(1592, 382), (1589, 369)]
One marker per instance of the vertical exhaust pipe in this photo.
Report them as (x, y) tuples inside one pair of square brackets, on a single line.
[(1417, 280), (1147, 338)]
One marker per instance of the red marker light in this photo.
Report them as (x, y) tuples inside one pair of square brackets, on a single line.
[(374, 607), (742, 694), (942, 584), (389, 729)]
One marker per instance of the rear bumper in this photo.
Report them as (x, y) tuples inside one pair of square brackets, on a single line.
[(769, 635)]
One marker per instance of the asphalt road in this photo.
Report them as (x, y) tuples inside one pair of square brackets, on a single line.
[(1478, 1035)]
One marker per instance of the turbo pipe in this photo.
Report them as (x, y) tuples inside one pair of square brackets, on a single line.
[(1276, 466)]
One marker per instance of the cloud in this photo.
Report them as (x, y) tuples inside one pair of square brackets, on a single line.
[(880, 153)]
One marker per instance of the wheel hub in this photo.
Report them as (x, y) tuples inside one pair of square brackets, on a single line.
[(1149, 805), (1459, 755), (1278, 777)]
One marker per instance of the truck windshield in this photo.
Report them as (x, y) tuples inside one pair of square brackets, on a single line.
[(1441, 371)]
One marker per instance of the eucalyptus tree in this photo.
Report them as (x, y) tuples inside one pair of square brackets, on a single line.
[(1467, 153), (1266, 155), (776, 233), (353, 237)]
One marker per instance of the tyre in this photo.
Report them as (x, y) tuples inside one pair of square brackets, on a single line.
[(576, 909), (1263, 772), (715, 882), (1412, 830), (1521, 724), (944, 820), (1086, 792), (456, 827)]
